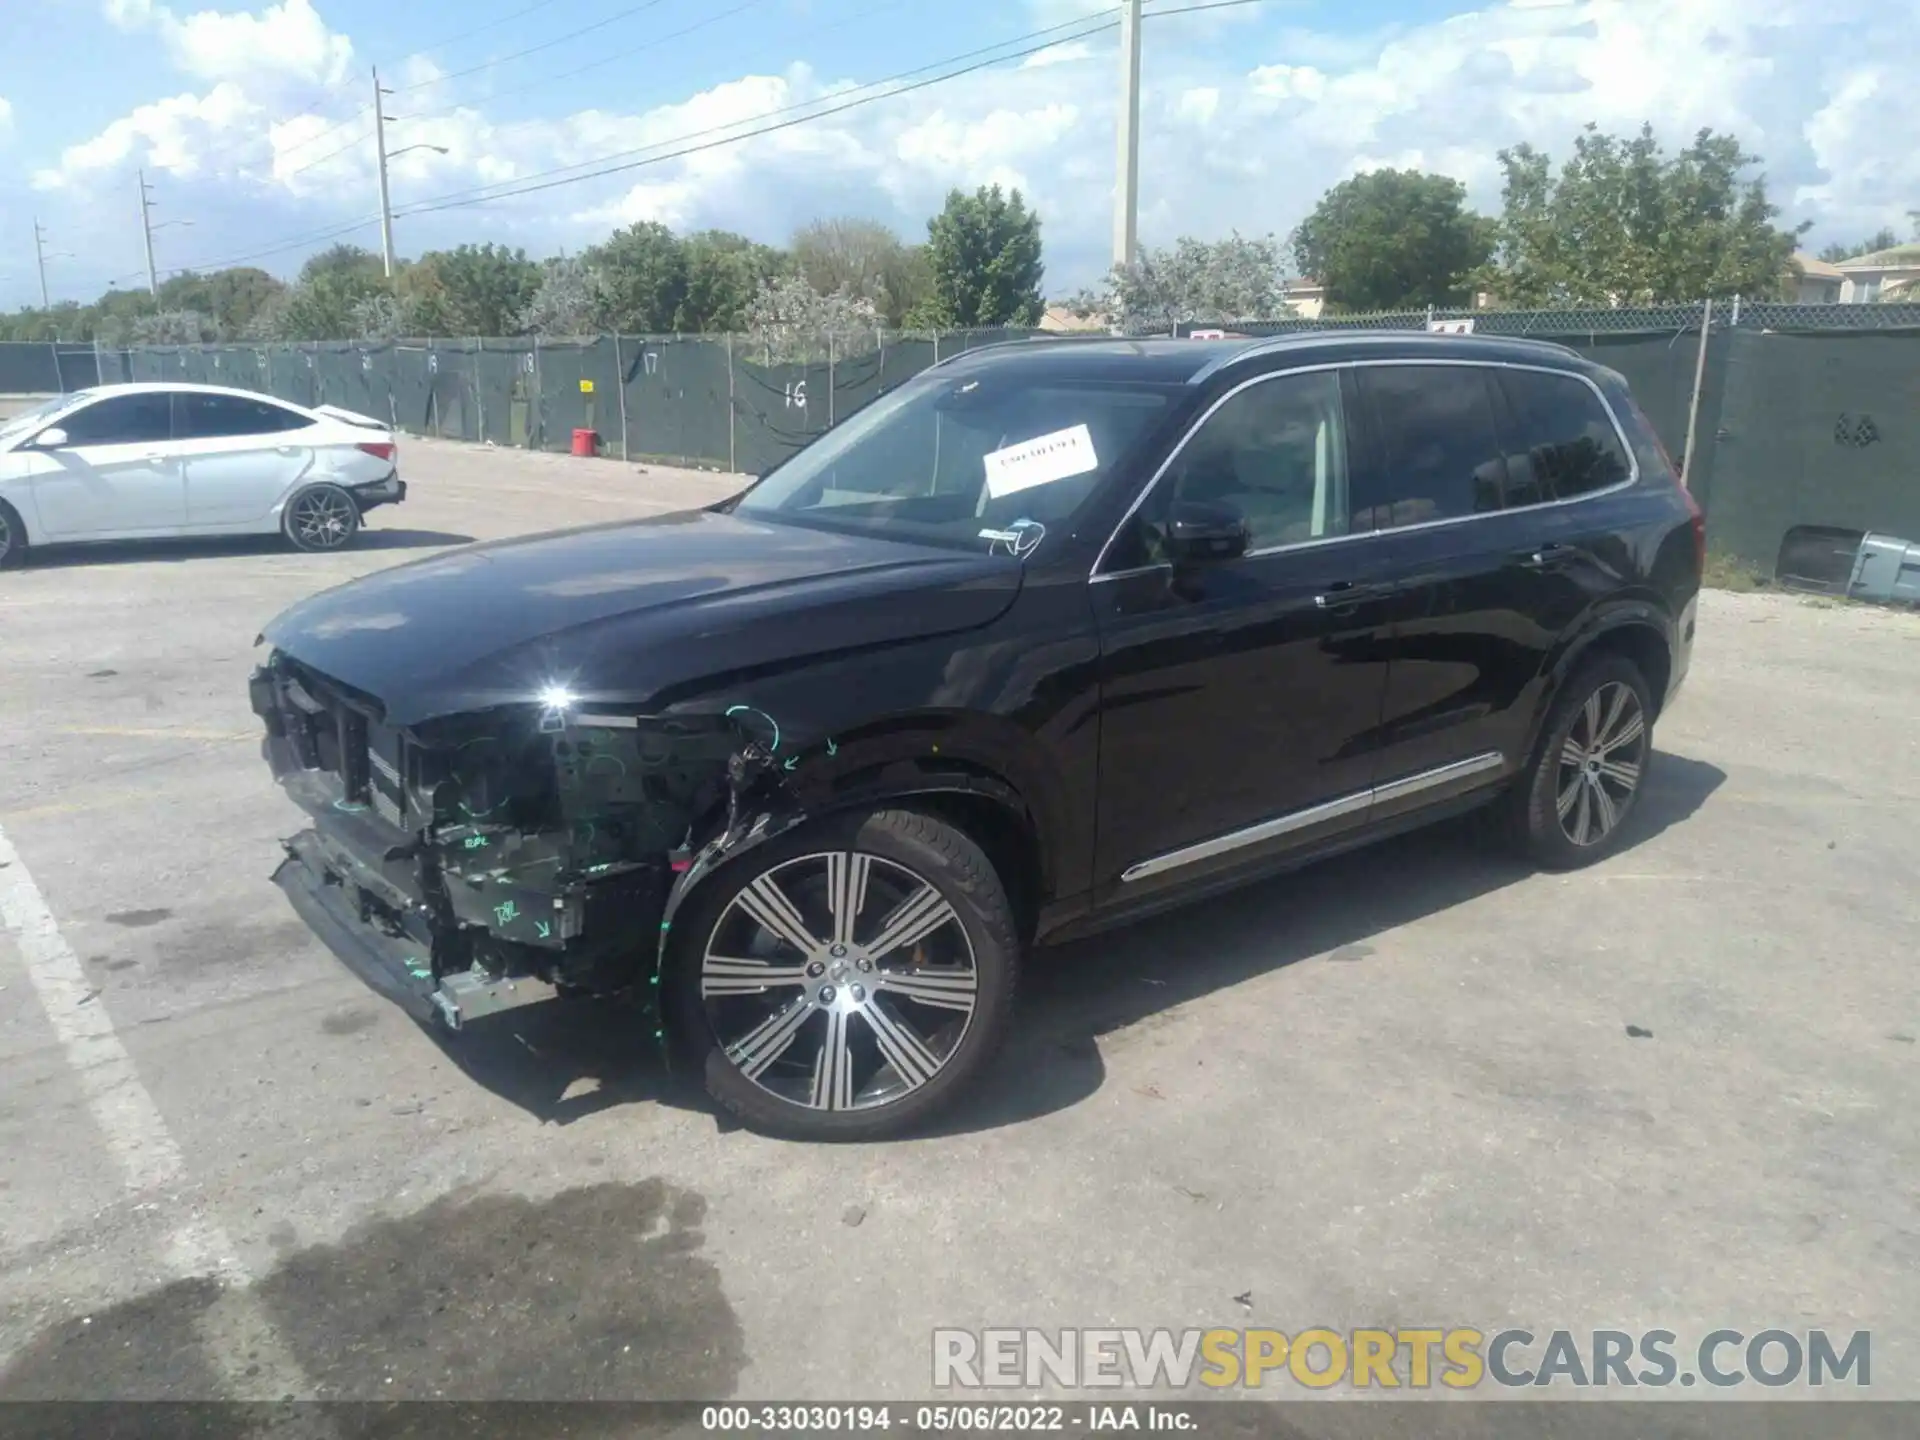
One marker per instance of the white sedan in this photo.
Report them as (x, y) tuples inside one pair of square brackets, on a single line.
[(147, 461)]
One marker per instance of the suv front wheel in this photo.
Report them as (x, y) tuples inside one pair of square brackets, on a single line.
[(845, 981), (1572, 807)]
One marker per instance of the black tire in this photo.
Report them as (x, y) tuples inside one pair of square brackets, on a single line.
[(321, 517), (1576, 801), (886, 1085), (13, 537)]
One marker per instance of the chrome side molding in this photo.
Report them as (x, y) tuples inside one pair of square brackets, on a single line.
[(1316, 815)]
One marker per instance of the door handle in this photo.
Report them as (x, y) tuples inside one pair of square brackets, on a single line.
[(1542, 557), (1344, 594)]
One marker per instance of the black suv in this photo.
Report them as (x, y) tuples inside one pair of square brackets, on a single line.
[(1053, 635)]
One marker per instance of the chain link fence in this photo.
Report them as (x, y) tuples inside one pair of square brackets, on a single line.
[(721, 401), (1805, 419)]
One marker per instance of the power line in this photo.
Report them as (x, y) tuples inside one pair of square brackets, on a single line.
[(359, 139), (1195, 9), (533, 49), (436, 201), (281, 247), (603, 60), (476, 30), (460, 199), (423, 209)]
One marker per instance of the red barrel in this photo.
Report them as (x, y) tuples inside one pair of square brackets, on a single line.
[(586, 442)]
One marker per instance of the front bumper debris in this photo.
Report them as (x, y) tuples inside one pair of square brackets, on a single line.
[(389, 949), (424, 885)]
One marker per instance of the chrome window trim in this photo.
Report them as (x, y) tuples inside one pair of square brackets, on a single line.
[(1315, 815), (1096, 575)]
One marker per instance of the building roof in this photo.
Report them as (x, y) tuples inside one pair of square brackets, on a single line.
[(1814, 268), (1900, 257)]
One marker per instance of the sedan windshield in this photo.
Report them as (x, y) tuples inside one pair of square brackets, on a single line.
[(29, 420), (970, 462)]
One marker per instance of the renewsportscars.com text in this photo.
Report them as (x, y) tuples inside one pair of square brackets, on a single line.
[(1402, 1359)]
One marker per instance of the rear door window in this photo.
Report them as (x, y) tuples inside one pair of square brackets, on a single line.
[(212, 417), (1438, 456), (1559, 438), (121, 420)]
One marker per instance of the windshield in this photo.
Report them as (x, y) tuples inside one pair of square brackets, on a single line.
[(27, 420), (972, 462)]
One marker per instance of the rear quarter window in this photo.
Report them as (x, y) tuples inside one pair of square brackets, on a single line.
[(1559, 438)]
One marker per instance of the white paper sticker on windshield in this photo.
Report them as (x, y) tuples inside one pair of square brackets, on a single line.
[(1041, 461)]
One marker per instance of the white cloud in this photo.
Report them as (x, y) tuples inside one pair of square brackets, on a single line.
[(1057, 55), (1238, 135), (170, 135), (288, 40), (6, 116)]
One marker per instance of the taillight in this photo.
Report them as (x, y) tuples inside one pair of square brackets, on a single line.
[(1699, 519), (379, 449), (1696, 516)]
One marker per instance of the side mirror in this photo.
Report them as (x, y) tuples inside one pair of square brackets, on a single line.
[(1200, 532), (51, 438)]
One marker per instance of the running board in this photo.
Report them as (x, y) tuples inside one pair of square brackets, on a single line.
[(1316, 815)]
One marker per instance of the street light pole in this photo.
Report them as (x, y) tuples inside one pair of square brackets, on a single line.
[(380, 146), (146, 232), (1126, 189), (40, 261)]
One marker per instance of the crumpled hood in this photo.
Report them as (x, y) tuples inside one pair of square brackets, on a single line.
[(617, 613)]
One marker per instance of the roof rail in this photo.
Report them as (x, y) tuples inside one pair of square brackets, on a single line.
[(1270, 343), (1003, 344)]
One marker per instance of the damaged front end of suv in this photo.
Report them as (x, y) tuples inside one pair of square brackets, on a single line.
[(480, 861)]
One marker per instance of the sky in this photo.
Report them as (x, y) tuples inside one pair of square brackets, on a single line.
[(254, 125)]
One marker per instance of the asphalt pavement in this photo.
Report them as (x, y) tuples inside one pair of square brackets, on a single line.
[(1419, 1085)]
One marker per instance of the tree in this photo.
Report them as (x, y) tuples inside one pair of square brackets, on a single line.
[(1231, 279), (326, 306), (1393, 240), (173, 327), (724, 272), (481, 289), (359, 267), (643, 278), (568, 301), (228, 298), (1882, 239), (863, 258), (983, 251), (790, 320), (1623, 224)]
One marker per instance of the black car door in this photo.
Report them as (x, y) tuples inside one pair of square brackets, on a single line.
[(1240, 697), (1467, 468)]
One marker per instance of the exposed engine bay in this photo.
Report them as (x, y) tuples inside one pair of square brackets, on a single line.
[(480, 861)]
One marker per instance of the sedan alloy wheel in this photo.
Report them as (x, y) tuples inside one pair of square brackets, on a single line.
[(324, 518)]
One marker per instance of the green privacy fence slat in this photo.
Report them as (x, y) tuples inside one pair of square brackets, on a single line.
[(1809, 415)]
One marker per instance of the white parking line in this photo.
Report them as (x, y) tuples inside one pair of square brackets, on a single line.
[(139, 1140)]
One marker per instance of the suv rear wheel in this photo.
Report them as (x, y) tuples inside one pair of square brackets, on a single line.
[(1572, 807), (845, 981)]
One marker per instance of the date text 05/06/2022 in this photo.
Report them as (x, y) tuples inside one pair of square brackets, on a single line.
[(785, 1419)]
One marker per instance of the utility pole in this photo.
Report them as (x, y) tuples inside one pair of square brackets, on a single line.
[(40, 260), (146, 232), (1126, 189), (380, 145)]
